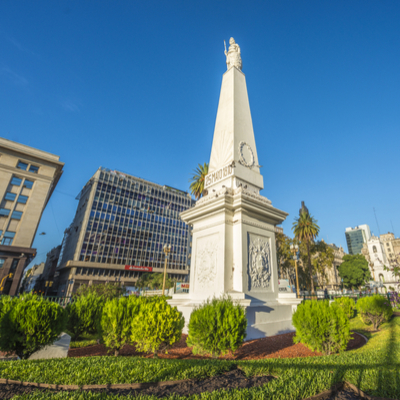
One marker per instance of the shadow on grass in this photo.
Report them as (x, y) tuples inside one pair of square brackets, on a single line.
[(380, 378)]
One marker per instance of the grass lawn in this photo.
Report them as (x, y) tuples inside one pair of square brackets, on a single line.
[(375, 369)]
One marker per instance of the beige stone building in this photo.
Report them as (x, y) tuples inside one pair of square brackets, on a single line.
[(28, 177), (331, 278), (391, 246)]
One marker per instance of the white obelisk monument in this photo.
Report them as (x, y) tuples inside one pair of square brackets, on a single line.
[(233, 244)]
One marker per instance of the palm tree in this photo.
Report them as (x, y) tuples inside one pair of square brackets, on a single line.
[(197, 181), (305, 229)]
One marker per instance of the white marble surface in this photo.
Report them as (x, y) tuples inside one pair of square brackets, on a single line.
[(233, 244), (59, 349)]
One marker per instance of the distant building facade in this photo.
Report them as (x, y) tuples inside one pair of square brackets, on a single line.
[(331, 279), (356, 237), (33, 276), (391, 246), (120, 228), (28, 177)]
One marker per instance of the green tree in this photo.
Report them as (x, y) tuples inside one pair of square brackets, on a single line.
[(322, 257), (197, 181), (154, 281), (374, 310), (305, 229), (284, 255), (354, 271)]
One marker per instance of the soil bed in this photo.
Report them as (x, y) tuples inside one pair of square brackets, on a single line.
[(234, 379), (280, 346)]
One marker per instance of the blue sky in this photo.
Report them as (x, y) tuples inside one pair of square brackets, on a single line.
[(134, 86)]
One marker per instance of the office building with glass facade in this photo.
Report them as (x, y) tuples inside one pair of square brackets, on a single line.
[(356, 237), (120, 228), (28, 177)]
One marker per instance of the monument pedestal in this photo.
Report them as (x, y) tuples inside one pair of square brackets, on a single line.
[(233, 253)]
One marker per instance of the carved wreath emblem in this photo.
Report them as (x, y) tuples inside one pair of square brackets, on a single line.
[(242, 160), (259, 264)]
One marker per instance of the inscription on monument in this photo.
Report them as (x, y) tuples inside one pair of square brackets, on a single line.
[(218, 175)]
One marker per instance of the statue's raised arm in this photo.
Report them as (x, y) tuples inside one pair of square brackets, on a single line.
[(233, 58)]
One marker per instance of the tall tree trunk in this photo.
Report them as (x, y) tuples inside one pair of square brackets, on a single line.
[(309, 268)]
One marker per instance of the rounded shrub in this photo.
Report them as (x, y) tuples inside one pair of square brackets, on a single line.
[(374, 310), (217, 326), (116, 320), (347, 304), (84, 315), (30, 324), (321, 327), (157, 325)]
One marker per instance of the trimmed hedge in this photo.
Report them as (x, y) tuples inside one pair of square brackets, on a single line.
[(84, 315), (216, 327), (321, 326), (116, 319), (28, 324), (347, 304), (374, 310), (157, 325)]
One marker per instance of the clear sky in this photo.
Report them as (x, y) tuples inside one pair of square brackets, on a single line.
[(134, 86)]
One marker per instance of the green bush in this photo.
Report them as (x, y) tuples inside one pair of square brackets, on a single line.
[(374, 310), (82, 343), (6, 303), (107, 291), (347, 304), (321, 327), (84, 315), (30, 324), (116, 319), (217, 326), (157, 325)]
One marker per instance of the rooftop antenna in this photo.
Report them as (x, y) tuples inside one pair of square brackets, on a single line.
[(391, 223), (376, 219)]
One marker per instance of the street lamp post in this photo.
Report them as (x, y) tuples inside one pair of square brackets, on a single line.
[(48, 284), (295, 248), (167, 250)]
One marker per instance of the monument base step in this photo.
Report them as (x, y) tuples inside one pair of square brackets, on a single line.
[(263, 318)]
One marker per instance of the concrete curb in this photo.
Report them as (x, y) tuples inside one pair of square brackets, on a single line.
[(136, 386), (346, 385), (88, 387)]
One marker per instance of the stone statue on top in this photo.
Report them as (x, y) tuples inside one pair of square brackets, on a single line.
[(233, 58)]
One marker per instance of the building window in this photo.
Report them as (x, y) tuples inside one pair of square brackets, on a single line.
[(16, 181), (10, 196), (8, 238), (16, 215), (4, 212), (28, 184), (14, 264), (374, 249), (34, 169), (22, 199), (22, 165), (2, 261)]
